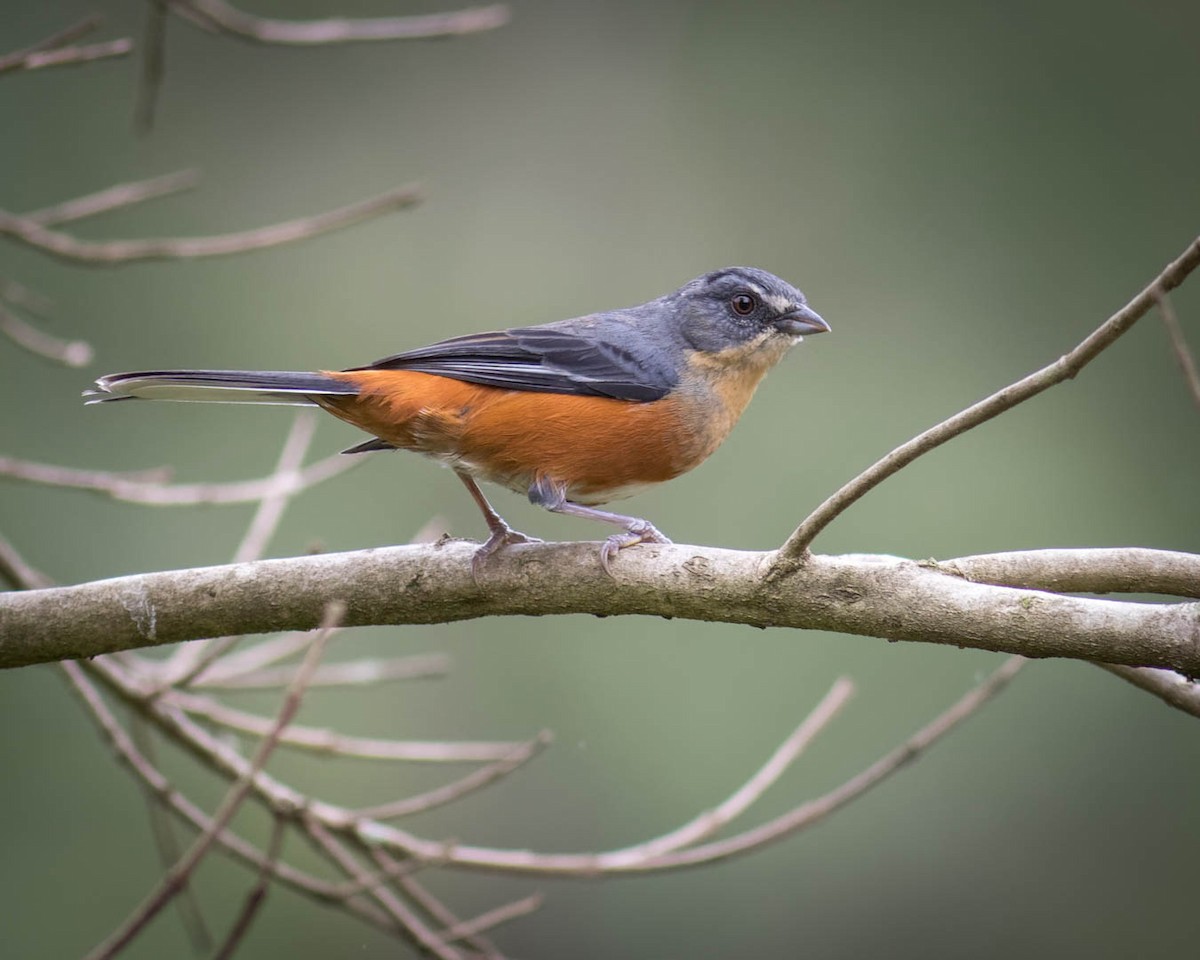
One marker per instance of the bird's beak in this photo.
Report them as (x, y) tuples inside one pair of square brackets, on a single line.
[(801, 321)]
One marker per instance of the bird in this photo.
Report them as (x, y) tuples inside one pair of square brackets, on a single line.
[(574, 413)]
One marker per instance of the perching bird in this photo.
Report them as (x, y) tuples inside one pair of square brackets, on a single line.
[(573, 414)]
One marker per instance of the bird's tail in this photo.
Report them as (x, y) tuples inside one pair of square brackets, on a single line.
[(219, 386)]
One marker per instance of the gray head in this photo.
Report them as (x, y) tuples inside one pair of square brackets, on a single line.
[(740, 305)]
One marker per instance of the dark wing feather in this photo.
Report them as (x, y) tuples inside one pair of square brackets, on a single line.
[(545, 359)]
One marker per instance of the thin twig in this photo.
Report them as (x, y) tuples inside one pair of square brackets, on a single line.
[(154, 55), (492, 919), (371, 835), (148, 486), (113, 252), (400, 873), (19, 295), (351, 673), (162, 828), (336, 851), (50, 51), (257, 895), (793, 552), (76, 31), (275, 500), (1187, 362), (192, 659), (252, 658), (336, 744), (309, 32), (1174, 689), (148, 775), (72, 56), (476, 780), (809, 813), (71, 353), (709, 822), (17, 572), (114, 197), (178, 874)]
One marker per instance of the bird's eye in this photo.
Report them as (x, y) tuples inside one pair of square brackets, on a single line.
[(743, 304)]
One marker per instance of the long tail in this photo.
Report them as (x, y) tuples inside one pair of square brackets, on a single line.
[(219, 386)]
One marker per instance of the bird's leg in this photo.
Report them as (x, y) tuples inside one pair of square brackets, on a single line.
[(502, 535), (553, 497)]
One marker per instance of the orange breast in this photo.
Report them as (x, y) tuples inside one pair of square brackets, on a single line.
[(598, 447)]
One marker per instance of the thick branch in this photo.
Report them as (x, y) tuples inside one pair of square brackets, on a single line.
[(1092, 570), (859, 594)]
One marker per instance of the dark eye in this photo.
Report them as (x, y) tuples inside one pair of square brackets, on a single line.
[(743, 304)]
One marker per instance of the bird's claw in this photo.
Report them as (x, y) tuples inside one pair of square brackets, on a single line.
[(640, 532), (502, 536)]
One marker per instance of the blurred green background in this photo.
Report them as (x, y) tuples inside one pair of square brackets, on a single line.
[(963, 190)]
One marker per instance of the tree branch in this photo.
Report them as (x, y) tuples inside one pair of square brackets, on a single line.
[(113, 252), (1064, 368), (859, 594), (228, 19), (54, 52)]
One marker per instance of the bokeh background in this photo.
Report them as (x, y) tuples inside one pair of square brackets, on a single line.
[(963, 190)]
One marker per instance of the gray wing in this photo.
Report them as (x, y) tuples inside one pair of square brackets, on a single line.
[(545, 359)]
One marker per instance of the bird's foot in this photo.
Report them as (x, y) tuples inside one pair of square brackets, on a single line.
[(640, 531), (502, 536)]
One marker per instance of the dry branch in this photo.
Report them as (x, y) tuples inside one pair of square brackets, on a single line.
[(115, 252), (54, 52), (859, 594), (793, 551), (226, 18)]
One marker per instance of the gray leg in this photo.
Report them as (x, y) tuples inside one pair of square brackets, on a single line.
[(553, 497), (501, 534)]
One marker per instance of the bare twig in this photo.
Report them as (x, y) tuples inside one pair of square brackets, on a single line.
[(17, 572), (371, 835), (113, 252), (400, 874), (19, 295), (336, 744), (476, 780), (192, 659), (1187, 362), (148, 486), (114, 197), (809, 813), (154, 54), (147, 774), (76, 31), (178, 874), (1174, 689), (162, 828), (71, 353), (257, 895), (465, 929), (793, 552), (308, 32), (709, 822), (350, 673), (53, 51), (275, 500), (262, 654), (72, 56), (419, 932)]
